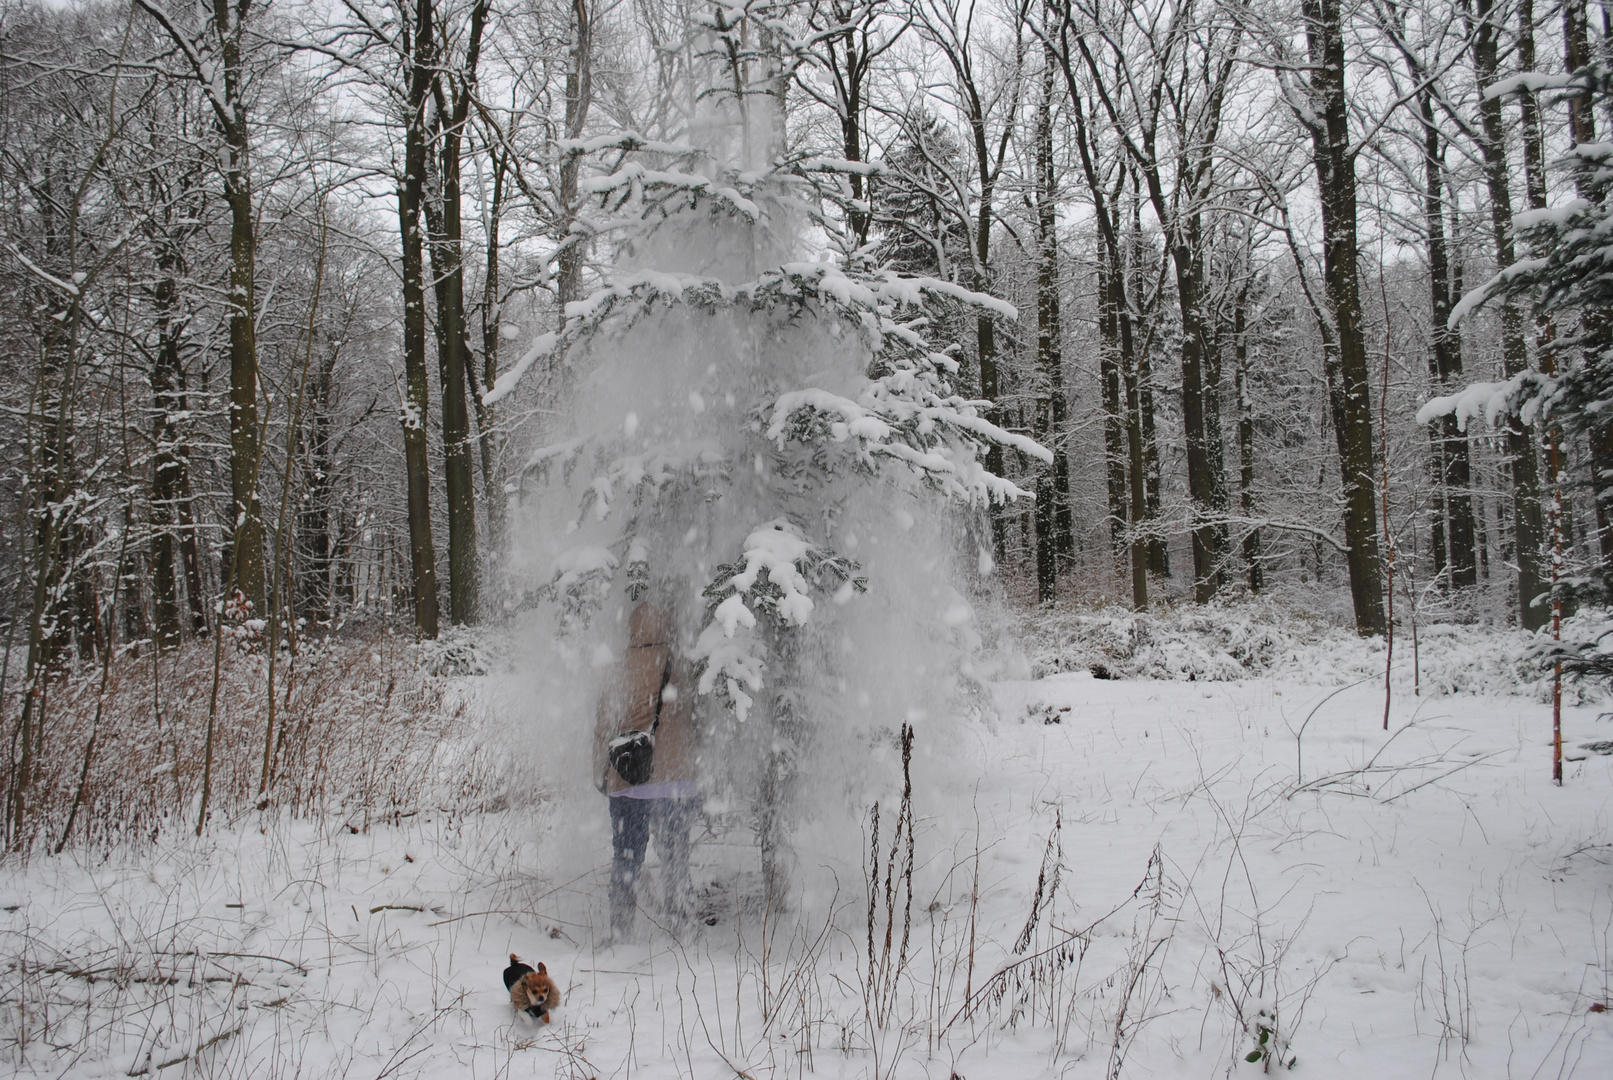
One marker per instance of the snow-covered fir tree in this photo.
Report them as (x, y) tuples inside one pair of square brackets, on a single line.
[(760, 436)]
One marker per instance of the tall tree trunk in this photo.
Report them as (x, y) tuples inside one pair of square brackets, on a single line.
[(245, 527), (1345, 356), (228, 99), (1452, 539), (486, 419), (1159, 552), (1142, 543), (1214, 443), (1052, 481), (1114, 419), (168, 463), (444, 224), (987, 172), (190, 557), (1115, 322), (579, 99), (416, 407), (1208, 554), (849, 52), (1252, 559), (986, 356), (49, 483), (1582, 129), (1529, 529), (314, 533)]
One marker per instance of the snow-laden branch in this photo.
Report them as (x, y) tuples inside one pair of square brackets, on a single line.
[(626, 140), (634, 173), (50, 279), (630, 295), (501, 388), (840, 165), (1523, 395), (1529, 81), (1475, 298), (776, 573), (1550, 215)]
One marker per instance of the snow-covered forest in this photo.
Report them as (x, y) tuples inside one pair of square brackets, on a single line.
[(1119, 498)]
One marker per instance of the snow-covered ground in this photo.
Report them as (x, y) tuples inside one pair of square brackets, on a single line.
[(1213, 860)]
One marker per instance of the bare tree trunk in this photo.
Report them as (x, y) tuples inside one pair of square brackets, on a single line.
[(1252, 558), (444, 225), (1052, 481), (411, 192), (227, 96), (486, 419), (1115, 318), (1208, 550), (1452, 538), (1529, 528), (1582, 129), (190, 557), (168, 464), (314, 533), (1345, 356), (579, 99), (1142, 543), (246, 527), (1114, 419), (1214, 442), (849, 50), (1159, 551), (50, 482)]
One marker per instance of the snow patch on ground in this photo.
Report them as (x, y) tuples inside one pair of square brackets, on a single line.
[(1249, 639), (1114, 877)]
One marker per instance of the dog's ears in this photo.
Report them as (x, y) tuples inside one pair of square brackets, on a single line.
[(541, 969)]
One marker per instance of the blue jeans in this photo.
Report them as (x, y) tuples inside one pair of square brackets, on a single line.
[(632, 822)]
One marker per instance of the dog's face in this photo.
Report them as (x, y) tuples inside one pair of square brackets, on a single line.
[(538, 988)]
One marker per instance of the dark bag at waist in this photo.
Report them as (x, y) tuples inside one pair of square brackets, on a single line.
[(633, 756)]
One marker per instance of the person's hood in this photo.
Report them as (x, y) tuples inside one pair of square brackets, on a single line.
[(648, 625)]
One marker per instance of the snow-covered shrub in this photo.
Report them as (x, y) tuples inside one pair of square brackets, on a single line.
[(458, 650), (1251, 638), (362, 732)]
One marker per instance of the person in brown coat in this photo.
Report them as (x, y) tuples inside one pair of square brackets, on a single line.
[(650, 690)]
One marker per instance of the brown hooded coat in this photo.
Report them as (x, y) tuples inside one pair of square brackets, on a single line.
[(649, 671)]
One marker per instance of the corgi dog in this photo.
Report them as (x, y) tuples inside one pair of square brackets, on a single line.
[(531, 992)]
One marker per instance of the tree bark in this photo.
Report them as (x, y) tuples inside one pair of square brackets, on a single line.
[(1252, 559), (1142, 543), (315, 534), (1115, 323), (445, 242), (579, 99), (1582, 129), (1159, 552), (1052, 481), (416, 407), (1344, 356), (168, 463), (1207, 535), (486, 420), (1452, 539), (245, 527), (227, 98), (1528, 527), (1114, 418)]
